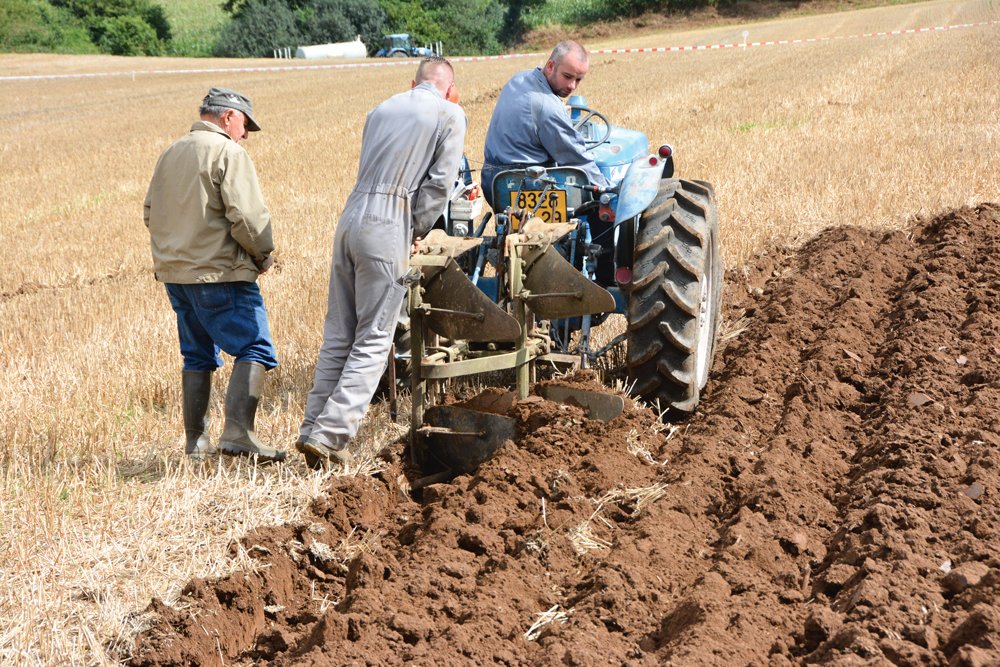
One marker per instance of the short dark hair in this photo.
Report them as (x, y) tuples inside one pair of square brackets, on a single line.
[(429, 65), (565, 47)]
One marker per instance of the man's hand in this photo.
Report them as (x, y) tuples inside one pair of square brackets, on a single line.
[(263, 266)]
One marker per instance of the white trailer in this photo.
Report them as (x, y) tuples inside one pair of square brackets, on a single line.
[(355, 49)]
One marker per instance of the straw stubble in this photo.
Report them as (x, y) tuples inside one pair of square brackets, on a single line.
[(98, 510)]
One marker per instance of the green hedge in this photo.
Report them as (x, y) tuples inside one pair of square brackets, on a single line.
[(245, 28), (35, 26), (260, 26), (120, 27)]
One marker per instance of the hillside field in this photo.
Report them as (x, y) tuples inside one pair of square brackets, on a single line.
[(99, 512)]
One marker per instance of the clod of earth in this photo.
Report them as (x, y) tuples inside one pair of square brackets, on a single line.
[(803, 516)]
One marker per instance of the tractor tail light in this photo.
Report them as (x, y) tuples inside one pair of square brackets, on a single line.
[(653, 161), (665, 151), (623, 276), (606, 213)]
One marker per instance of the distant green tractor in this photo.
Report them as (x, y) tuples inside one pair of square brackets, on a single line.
[(401, 46)]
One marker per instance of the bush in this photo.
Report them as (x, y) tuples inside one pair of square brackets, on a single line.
[(514, 22), (258, 28), (470, 26), (327, 21), (464, 26), (156, 16), (412, 17), (35, 26), (133, 27), (129, 36)]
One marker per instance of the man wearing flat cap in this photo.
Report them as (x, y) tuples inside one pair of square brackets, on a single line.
[(210, 234)]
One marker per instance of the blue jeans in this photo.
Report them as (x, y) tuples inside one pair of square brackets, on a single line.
[(226, 316)]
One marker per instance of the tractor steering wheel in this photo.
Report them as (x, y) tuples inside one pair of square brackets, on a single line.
[(584, 118)]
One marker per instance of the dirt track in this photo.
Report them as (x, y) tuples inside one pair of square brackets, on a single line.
[(834, 500)]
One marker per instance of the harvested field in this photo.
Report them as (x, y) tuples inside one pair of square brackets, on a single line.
[(835, 499), (99, 513)]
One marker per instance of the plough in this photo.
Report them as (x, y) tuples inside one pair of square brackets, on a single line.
[(565, 255), (457, 330)]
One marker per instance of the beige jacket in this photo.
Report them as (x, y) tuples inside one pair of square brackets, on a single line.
[(205, 212)]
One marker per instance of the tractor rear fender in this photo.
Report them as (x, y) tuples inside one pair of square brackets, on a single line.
[(639, 187)]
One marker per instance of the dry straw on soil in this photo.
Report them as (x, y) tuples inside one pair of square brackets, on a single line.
[(99, 512)]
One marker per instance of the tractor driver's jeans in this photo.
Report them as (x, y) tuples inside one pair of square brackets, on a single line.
[(370, 256)]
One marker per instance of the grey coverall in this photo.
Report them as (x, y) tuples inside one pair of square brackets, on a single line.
[(530, 126), (410, 152)]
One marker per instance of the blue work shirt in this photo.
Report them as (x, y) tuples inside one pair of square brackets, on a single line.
[(530, 126)]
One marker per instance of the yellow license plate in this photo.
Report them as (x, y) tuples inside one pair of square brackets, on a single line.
[(552, 208)]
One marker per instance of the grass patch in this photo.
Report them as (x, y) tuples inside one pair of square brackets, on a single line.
[(752, 125), (566, 12), (196, 26)]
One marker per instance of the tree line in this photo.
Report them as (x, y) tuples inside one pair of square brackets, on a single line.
[(120, 27), (256, 27)]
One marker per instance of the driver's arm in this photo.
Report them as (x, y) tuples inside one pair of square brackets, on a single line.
[(563, 143)]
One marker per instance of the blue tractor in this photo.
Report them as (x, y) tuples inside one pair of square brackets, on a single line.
[(401, 45), (560, 257)]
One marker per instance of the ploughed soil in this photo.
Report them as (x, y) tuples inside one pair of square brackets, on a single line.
[(834, 500)]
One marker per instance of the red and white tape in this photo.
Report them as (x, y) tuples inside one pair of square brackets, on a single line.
[(459, 59), (804, 40)]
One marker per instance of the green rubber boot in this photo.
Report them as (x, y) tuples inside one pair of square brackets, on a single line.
[(238, 436), (196, 390)]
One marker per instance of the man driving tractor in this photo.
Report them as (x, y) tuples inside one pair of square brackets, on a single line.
[(530, 125)]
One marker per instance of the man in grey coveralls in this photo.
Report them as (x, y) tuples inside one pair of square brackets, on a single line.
[(410, 152)]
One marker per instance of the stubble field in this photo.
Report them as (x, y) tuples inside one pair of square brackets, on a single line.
[(98, 511)]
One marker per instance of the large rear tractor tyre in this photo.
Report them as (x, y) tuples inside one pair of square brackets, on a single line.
[(673, 304)]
